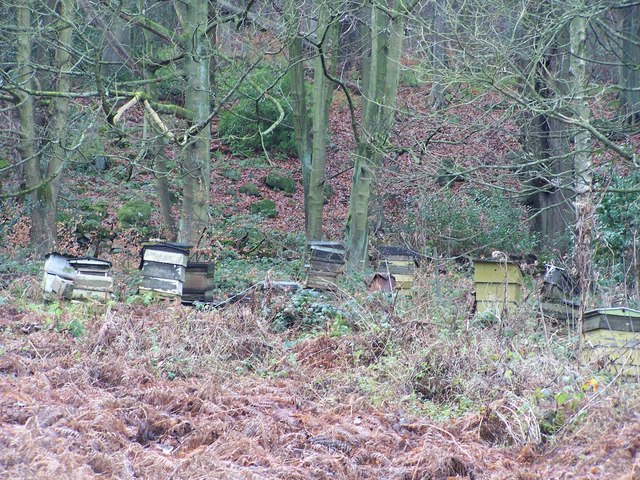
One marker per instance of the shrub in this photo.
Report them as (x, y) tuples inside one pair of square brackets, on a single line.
[(240, 126), (617, 217), (476, 222)]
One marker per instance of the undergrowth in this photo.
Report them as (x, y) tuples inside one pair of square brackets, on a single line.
[(422, 358)]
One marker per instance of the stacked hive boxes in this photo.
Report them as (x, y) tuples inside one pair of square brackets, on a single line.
[(92, 280), (58, 276), (163, 268), (84, 278), (612, 339), (400, 263), (326, 265), (498, 284), (198, 282), (558, 290)]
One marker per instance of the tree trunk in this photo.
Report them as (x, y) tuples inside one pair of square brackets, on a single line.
[(629, 80), (438, 53), (299, 98), (379, 102), (156, 149), (546, 141), (59, 118), (583, 165), (40, 234), (322, 97), (195, 202)]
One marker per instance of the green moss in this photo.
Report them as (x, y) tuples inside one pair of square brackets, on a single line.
[(250, 189), (278, 182), (266, 208), (231, 174), (134, 212)]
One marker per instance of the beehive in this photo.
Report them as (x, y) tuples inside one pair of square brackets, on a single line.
[(326, 265), (399, 262), (163, 268), (612, 339), (557, 295), (58, 275), (198, 282), (92, 280), (497, 283)]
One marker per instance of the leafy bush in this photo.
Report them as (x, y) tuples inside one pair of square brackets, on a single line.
[(307, 310), (240, 126), (618, 219), (476, 222)]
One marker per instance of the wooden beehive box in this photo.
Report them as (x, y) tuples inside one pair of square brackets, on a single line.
[(92, 280), (612, 339), (557, 295), (163, 268), (497, 282), (326, 264), (198, 282), (58, 275), (398, 261)]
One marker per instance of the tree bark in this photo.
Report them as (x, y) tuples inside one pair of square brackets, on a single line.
[(379, 102), (322, 97), (299, 98), (156, 149), (629, 76), (583, 165), (438, 55), (197, 159), (43, 168)]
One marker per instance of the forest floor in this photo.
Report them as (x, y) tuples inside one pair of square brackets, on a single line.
[(351, 385), (134, 391)]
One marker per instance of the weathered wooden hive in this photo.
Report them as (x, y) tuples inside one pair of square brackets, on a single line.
[(92, 280), (557, 295), (198, 282), (326, 264), (612, 339), (497, 284), (58, 276), (399, 262), (163, 268)]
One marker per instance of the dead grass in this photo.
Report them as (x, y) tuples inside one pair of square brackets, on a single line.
[(413, 390)]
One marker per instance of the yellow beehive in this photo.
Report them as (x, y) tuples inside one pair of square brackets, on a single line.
[(400, 262), (612, 339), (497, 282)]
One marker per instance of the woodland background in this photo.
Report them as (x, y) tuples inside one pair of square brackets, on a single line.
[(455, 127)]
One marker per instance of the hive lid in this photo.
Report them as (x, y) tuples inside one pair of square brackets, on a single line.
[(90, 262), (621, 319), (396, 250), (325, 244)]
